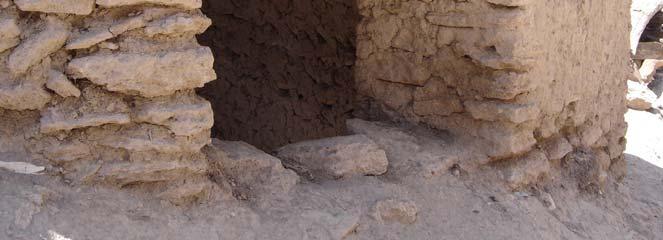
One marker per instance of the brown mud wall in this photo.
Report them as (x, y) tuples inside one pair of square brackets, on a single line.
[(516, 75)]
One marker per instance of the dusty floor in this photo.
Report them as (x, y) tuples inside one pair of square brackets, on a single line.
[(450, 206)]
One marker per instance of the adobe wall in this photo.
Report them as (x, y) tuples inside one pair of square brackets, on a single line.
[(102, 94), (517, 75), (286, 69)]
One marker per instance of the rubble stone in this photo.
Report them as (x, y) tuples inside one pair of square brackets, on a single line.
[(187, 4), (25, 92), (404, 212), (9, 33), (337, 157), (146, 137), (185, 114), (254, 171), (148, 75), (67, 152), (32, 50), (74, 113), (178, 24), (78, 7), (557, 148), (89, 39), (527, 169), (131, 118), (61, 85), (23, 97), (153, 169)]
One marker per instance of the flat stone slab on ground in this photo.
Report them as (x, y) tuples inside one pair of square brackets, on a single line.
[(337, 157)]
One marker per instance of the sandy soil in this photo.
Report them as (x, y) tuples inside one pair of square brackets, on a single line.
[(450, 206)]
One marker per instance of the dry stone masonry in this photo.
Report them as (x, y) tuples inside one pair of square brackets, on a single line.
[(512, 74), (102, 92)]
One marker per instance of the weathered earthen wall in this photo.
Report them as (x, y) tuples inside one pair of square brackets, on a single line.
[(285, 69), (518, 76), (103, 93)]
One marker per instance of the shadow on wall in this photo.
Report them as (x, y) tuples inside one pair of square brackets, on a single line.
[(285, 69)]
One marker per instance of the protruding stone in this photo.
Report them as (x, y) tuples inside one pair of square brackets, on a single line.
[(38, 46), (108, 45), (527, 169), (557, 148), (185, 114), (146, 137), (177, 24), (5, 3), (101, 34), (548, 201), (337, 157), (28, 96), (27, 92), (494, 111), (187, 4), (507, 140), (78, 7), (9, 28), (9, 33), (127, 25), (7, 43), (152, 167), (510, 3), (75, 113), (404, 212), (147, 74), (59, 83), (254, 171), (67, 152), (89, 39)]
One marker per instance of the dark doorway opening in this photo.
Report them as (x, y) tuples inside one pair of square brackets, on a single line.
[(285, 69)]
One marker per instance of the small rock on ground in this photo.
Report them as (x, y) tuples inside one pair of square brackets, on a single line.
[(337, 157), (639, 97), (404, 212)]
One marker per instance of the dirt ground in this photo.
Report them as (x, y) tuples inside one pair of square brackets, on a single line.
[(448, 206)]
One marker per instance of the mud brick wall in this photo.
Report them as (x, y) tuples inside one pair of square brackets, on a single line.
[(285, 69), (101, 92), (517, 75)]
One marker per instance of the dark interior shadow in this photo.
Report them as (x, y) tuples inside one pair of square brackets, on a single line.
[(285, 69)]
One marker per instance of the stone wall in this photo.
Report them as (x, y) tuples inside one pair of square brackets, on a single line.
[(518, 76), (285, 69), (102, 92)]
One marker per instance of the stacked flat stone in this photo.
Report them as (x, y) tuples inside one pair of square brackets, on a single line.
[(104, 91), (502, 71)]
